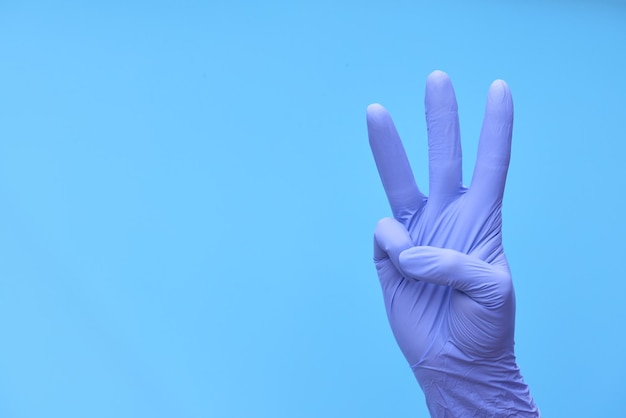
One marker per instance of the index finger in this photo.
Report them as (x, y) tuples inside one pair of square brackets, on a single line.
[(494, 146), (393, 165)]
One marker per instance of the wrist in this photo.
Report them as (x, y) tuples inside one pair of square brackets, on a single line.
[(470, 387)]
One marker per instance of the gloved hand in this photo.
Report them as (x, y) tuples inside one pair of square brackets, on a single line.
[(445, 279)]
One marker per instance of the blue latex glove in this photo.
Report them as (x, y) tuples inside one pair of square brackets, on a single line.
[(445, 279)]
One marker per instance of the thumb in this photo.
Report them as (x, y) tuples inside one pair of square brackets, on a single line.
[(488, 285)]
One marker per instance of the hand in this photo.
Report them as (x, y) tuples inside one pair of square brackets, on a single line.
[(445, 279)]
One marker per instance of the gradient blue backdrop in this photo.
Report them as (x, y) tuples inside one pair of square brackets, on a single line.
[(188, 199)]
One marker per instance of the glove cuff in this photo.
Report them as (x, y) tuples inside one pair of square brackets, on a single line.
[(470, 387)]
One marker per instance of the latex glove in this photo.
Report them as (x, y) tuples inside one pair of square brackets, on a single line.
[(445, 279)]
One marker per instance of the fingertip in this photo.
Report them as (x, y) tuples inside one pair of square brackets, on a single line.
[(499, 91), (438, 80), (437, 76), (440, 94), (413, 262), (499, 83), (411, 253), (376, 112), (375, 107), (405, 255)]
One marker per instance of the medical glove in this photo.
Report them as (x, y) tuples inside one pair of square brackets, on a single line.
[(445, 280)]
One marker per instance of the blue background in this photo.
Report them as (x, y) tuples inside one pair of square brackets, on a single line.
[(187, 200)]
